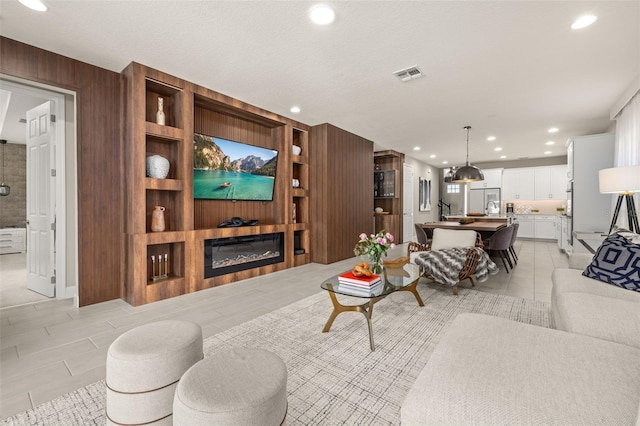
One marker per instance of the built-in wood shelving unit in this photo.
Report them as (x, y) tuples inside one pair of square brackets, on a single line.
[(390, 199), (193, 109)]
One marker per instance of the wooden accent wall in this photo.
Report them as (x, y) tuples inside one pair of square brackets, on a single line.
[(342, 188), (100, 166)]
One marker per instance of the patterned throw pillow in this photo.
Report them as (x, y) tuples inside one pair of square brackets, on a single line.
[(616, 262)]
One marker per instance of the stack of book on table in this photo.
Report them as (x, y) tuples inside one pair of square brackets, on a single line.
[(366, 285)]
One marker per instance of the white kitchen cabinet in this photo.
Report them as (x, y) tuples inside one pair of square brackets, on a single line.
[(544, 227), (518, 184), (12, 240), (492, 179), (559, 180), (550, 182), (526, 228)]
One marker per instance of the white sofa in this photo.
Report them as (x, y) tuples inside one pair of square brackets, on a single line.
[(488, 370), (586, 306)]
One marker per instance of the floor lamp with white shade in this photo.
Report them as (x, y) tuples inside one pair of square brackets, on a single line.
[(623, 181)]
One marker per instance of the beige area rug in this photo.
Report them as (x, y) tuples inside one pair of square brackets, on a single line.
[(333, 377)]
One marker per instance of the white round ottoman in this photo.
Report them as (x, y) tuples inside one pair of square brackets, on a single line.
[(235, 387), (144, 366)]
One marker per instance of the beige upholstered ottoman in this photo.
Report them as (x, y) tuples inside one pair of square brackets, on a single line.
[(143, 368), (235, 387)]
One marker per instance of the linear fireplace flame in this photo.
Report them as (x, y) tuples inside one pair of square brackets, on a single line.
[(227, 255), (243, 258)]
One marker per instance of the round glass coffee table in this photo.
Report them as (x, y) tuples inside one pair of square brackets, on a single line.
[(401, 278)]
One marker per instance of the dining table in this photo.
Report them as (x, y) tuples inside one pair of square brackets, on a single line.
[(479, 226), (485, 228)]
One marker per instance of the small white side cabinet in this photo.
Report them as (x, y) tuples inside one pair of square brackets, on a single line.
[(545, 227), (12, 240), (526, 225)]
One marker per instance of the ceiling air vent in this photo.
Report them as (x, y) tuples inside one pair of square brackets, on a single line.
[(409, 74)]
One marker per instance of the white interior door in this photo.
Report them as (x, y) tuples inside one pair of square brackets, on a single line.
[(40, 200), (407, 203)]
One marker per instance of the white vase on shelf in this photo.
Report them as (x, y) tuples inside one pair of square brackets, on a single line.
[(157, 167)]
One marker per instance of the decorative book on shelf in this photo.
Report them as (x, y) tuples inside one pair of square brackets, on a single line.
[(349, 278)]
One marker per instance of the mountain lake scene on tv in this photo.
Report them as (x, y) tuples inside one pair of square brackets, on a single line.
[(227, 170)]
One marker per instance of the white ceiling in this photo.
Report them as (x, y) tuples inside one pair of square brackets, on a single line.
[(507, 68)]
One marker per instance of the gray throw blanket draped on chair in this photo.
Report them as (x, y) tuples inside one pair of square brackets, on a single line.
[(444, 265)]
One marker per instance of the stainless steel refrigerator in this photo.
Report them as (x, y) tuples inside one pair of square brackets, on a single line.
[(485, 201)]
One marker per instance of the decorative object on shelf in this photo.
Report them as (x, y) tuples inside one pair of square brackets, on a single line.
[(160, 114), (297, 150), (467, 173), (236, 221), (296, 183), (623, 181), (379, 210), (163, 267), (157, 219), (294, 213), (4, 188), (375, 246), (157, 167)]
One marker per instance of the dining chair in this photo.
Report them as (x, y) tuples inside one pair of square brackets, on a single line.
[(512, 250), (421, 235), (500, 242)]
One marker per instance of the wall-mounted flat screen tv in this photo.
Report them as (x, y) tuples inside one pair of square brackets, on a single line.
[(228, 170)]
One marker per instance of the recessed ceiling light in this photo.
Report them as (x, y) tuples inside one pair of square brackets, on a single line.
[(445, 162), (491, 138), (34, 5), (549, 142), (416, 148), (503, 156), (295, 109), (553, 129), (583, 21), (432, 156), (322, 14), (497, 148), (547, 152)]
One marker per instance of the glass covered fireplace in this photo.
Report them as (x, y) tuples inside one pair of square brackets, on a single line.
[(226, 255)]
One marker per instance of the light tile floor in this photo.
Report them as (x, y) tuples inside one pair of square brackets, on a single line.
[(50, 348)]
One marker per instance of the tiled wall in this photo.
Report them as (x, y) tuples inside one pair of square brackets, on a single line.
[(13, 208), (542, 206)]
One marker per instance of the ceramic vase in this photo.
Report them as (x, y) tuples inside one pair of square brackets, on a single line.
[(160, 114), (157, 219), (157, 167)]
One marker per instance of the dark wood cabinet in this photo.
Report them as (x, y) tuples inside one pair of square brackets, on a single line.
[(342, 188)]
